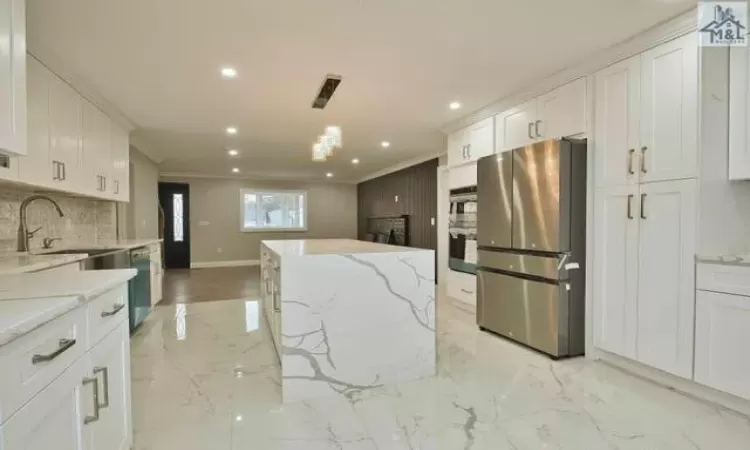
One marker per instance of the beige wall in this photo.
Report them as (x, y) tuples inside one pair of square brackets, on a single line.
[(142, 213), (215, 216)]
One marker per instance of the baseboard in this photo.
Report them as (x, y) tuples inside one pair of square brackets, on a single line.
[(212, 264), (673, 382)]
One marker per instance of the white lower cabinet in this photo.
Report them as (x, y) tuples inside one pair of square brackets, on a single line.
[(55, 418), (110, 366), (722, 334), (84, 402), (644, 276), (463, 287)]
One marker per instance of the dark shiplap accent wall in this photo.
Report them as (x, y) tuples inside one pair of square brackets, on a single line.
[(416, 187)]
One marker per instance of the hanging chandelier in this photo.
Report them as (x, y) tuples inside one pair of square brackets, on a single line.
[(323, 148)]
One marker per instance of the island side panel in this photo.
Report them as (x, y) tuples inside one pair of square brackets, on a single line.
[(356, 321)]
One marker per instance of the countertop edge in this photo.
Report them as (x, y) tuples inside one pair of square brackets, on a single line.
[(66, 305)]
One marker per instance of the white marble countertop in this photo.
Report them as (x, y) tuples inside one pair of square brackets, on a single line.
[(19, 317), (303, 247), (84, 285), (15, 262), (728, 260)]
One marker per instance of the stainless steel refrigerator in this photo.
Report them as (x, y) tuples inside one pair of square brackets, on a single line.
[(531, 237)]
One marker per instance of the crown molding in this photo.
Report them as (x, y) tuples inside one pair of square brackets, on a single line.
[(657, 35)]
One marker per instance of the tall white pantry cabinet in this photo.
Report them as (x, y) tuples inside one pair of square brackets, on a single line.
[(646, 162)]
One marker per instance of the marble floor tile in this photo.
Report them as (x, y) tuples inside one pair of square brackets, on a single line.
[(205, 376)]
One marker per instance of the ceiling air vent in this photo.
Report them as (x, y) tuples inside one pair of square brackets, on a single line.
[(326, 91)]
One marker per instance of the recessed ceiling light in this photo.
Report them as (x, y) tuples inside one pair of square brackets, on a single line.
[(231, 130), (228, 72), (454, 105), (329, 175), (355, 161), (235, 170), (385, 144), (233, 152)]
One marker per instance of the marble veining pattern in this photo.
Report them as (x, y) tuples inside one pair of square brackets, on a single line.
[(205, 377), (335, 310)]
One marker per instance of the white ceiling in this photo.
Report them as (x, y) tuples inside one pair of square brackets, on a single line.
[(402, 62)]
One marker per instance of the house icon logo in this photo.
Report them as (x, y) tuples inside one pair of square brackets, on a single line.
[(723, 24)]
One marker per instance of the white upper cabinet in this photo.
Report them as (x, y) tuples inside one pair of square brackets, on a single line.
[(556, 114), (562, 112), (96, 154), (481, 139), (72, 145), (471, 143), (616, 270), (722, 332), (516, 127), (65, 135), (739, 113), (667, 214), (36, 167), (646, 116), (13, 77), (120, 164), (669, 110), (617, 106)]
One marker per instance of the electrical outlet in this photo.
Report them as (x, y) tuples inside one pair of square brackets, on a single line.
[(432, 221)]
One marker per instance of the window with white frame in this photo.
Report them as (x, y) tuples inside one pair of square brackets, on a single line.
[(273, 210)]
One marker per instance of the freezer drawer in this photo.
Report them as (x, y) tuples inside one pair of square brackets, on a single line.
[(534, 313)]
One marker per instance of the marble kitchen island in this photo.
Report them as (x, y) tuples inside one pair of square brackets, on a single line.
[(347, 316)]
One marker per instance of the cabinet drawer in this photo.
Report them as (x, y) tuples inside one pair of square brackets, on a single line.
[(34, 360), (720, 278), (107, 311), (462, 286)]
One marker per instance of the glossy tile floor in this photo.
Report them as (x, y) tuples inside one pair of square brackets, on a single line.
[(206, 285), (204, 377)]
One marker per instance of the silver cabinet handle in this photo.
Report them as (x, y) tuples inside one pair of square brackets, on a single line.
[(643, 159), (104, 183), (65, 344), (56, 170), (89, 419), (468, 151), (536, 128), (115, 309), (117, 186), (64, 174), (643, 206), (105, 381), (466, 291), (531, 124), (630, 206), (631, 153)]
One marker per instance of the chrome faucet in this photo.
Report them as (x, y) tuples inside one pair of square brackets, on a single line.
[(23, 233)]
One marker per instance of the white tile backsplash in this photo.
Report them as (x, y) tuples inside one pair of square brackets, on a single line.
[(86, 221)]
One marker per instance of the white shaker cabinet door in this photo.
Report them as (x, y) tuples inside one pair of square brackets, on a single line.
[(119, 164), (562, 111), (666, 275), (65, 134), (739, 113), (36, 167), (457, 148), (722, 334), (669, 111), (616, 115), (517, 127), (110, 361), (13, 77), (616, 270), (481, 139), (54, 418), (95, 151)]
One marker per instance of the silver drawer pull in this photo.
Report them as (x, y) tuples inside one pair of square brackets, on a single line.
[(466, 291), (88, 419), (115, 310), (105, 379), (65, 344)]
